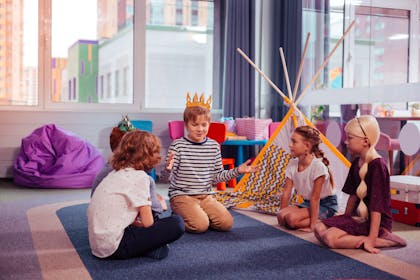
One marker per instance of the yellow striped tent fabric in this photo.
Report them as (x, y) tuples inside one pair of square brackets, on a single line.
[(262, 189)]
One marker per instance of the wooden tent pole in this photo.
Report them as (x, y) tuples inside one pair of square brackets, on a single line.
[(286, 73), (285, 98), (325, 62), (302, 59)]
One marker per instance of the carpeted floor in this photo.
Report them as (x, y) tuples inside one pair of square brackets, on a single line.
[(35, 245), (251, 250)]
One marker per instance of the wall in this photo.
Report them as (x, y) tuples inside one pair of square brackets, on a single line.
[(94, 127)]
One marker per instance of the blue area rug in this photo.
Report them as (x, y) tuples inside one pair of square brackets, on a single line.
[(251, 250)]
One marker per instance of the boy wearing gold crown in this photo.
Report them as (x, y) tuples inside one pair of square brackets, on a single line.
[(195, 166)]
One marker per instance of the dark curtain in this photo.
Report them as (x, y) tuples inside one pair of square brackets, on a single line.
[(238, 86), (218, 51), (287, 33)]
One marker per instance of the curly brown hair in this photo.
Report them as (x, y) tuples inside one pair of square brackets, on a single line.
[(313, 135), (137, 149)]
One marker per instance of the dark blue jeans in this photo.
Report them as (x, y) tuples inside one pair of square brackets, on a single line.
[(138, 241)]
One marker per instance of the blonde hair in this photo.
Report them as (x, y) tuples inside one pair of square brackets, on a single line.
[(312, 135), (367, 127)]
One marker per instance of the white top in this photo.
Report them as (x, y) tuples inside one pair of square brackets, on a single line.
[(114, 206), (303, 181)]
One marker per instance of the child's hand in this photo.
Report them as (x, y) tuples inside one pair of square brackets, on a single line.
[(162, 202), (170, 161), (368, 245), (137, 222), (246, 168)]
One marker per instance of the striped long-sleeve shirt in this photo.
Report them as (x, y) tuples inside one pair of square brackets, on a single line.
[(197, 167)]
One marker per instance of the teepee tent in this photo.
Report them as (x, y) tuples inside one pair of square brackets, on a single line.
[(263, 189)]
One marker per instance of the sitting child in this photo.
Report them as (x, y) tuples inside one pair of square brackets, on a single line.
[(158, 203), (120, 219), (195, 164), (309, 174), (367, 221)]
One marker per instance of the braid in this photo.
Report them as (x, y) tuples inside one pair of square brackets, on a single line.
[(361, 191), (320, 154), (364, 126)]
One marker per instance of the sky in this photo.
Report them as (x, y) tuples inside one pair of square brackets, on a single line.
[(72, 20)]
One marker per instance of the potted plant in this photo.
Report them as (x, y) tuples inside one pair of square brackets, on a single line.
[(318, 117), (415, 109), (317, 113)]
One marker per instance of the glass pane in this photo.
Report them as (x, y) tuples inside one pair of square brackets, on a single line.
[(92, 51), (179, 51), (18, 53), (381, 46), (381, 50), (325, 23)]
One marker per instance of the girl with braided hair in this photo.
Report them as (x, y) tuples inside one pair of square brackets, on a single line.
[(367, 221), (309, 174)]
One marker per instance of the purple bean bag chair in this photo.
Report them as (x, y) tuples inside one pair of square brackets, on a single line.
[(53, 158)]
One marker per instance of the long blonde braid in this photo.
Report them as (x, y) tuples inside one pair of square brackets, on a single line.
[(367, 127)]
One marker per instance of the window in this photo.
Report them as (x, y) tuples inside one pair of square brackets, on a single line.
[(108, 86), (19, 54), (125, 81), (179, 12), (156, 12), (179, 56), (102, 87), (325, 32), (381, 53), (380, 50), (194, 13), (90, 54), (117, 83)]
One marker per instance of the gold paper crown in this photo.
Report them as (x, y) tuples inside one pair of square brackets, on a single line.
[(198, 102)]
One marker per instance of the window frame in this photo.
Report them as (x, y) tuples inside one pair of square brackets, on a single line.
[(357, 95), (349, 47), (138, 68), (45, 102)]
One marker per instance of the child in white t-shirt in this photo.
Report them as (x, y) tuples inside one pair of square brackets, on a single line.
[(308, 173), (120, 220)]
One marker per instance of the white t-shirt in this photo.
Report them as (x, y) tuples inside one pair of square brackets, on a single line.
[(114, 206), (303, 181)]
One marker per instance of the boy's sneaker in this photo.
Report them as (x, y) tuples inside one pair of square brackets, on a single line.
[(159, 253)]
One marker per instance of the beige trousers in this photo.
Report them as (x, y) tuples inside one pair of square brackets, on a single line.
[(201, 212)]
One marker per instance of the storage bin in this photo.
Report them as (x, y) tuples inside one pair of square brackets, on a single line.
[(405, 188), (405, 199), (252, 128)]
